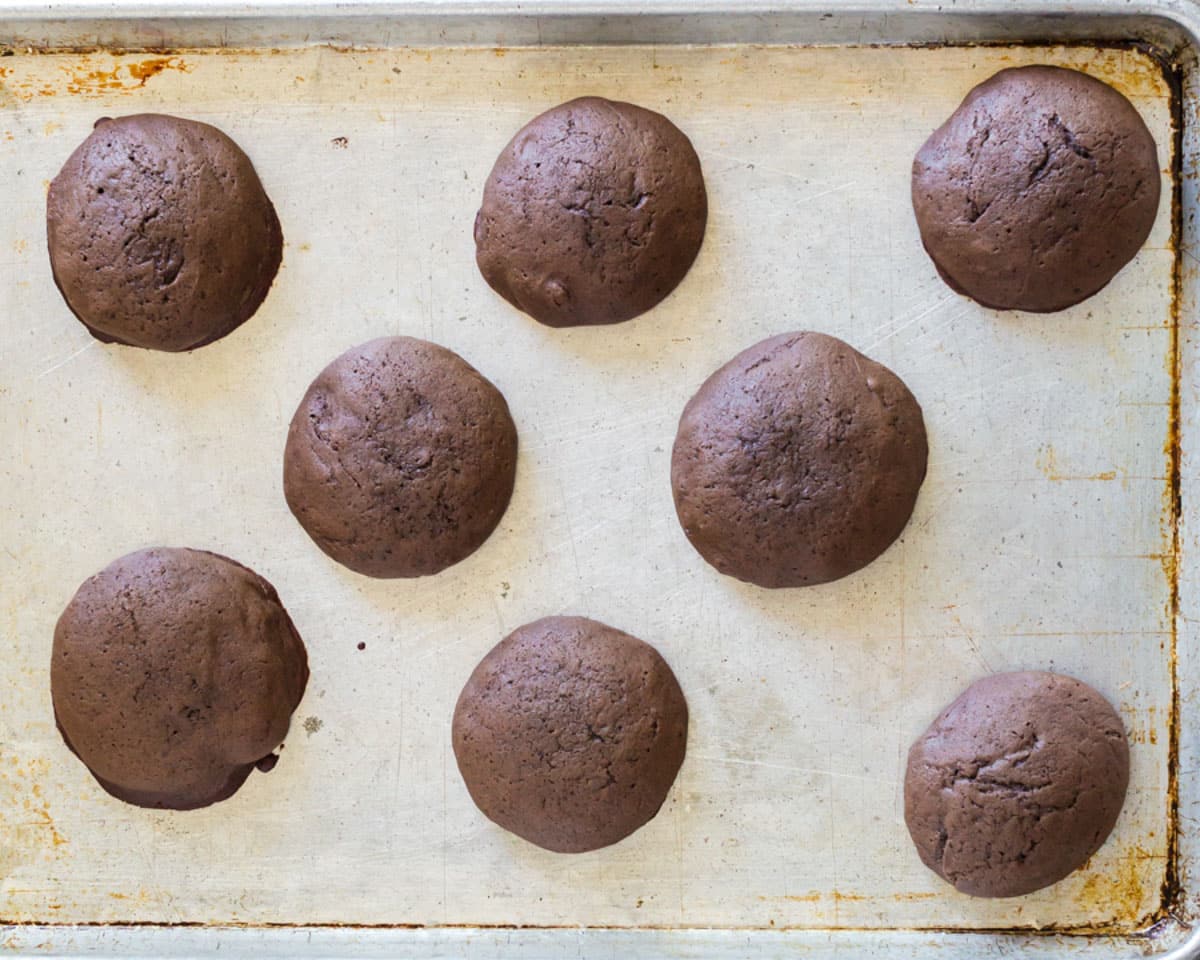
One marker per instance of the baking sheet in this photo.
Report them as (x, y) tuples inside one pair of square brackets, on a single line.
[(1041, 538)]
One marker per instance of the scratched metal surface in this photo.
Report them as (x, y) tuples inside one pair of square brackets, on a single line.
[(1038, 541)]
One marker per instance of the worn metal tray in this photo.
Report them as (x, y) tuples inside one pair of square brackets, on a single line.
[(1056, 528)]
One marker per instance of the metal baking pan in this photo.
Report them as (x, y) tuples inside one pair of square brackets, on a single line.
[(1057, 527)]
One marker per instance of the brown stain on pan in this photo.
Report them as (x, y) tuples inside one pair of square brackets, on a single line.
[(1047, 462), (1119, 883), (25, 814), (92, 75), (145, 69), (1171, 893), (92, 81), (1138, 75), (1137, 731), (837, 896), (123, 76)]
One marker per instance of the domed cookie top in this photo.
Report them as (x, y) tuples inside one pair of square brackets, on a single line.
[(1038, 189), (160, 233), (593, 213), (569, 733), (400, 459), (798, 462), (1016, 784), (174, 674)]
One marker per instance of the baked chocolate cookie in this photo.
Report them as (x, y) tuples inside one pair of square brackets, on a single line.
[(174, 674), (569, 733), (160, 233), (798, 462), (400, 459), (1038, 189), (593, 213), (1016, 784)]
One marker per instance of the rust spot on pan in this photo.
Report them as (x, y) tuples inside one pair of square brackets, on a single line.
[(94, 75), (146, 69), (25, 812), (125, 76), (1047, 462), (1141, 732), (1172, 887), (1118, 884), (837, 896)]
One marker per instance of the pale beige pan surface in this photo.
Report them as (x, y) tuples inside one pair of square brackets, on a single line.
[(1037, 541)]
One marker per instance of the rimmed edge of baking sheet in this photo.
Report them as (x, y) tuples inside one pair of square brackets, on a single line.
[(1171, 25)]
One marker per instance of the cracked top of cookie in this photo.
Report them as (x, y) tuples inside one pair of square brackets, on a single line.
[(1037, 190), (1017, 783), (400, 459), (592, 214), (569, 733), (160, 233), (174, 674), (797, 462)]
